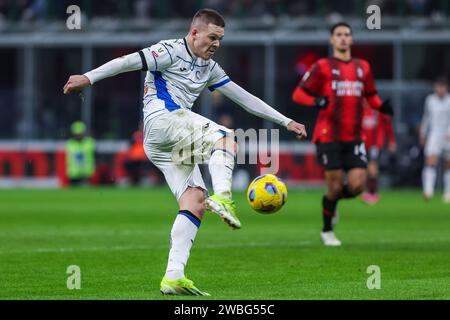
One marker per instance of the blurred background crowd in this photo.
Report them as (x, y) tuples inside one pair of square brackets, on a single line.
[(53, 10), (268, 46)]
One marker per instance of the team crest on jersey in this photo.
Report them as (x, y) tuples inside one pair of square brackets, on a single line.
[(336, 72), (160, 50), (360, 72)]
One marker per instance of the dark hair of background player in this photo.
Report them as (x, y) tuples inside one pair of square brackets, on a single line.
[(340, 24)]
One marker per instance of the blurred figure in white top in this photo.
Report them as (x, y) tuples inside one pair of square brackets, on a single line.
[(435, 137)]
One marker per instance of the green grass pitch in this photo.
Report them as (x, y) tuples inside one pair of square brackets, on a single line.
[(120, 238)]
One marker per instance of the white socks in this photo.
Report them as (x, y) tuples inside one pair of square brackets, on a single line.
[(182, 236), (221, 165), (447, 182), (428, 180), (185, 227)]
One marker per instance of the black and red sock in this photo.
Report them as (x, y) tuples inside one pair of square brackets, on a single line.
[(328, 211), (372, 185)]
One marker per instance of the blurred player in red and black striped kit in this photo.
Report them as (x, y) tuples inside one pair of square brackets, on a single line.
[(338, 86), (377, 129)]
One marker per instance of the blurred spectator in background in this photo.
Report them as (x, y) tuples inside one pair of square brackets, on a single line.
[(266, 10), (226, 120), (136, 164), (417, 7), (3, 9), (136, 159), (142, 9), (80, 155), (34, 10), (377, 129), (408, 161), (435, 136), (219, 5), (305, 61)]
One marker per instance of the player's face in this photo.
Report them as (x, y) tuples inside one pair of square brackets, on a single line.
[(341, 39), (440, 89), (207, 40)]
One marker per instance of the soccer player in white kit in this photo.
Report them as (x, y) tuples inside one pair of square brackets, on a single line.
[(177, 139), (435, 135)]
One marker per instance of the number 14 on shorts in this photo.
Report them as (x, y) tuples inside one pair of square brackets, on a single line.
[(360, 151)]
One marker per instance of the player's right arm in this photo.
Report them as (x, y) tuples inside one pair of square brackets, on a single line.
[(123, 64), (307, 92), (154, 58), (219, 80)]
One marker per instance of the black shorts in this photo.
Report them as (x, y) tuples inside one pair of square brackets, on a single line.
[(342, 155)]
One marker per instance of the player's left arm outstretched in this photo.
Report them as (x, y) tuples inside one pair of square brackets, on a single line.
[(261, 109)]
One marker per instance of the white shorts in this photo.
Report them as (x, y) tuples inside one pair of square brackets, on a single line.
[(176, 142), (437, 144)]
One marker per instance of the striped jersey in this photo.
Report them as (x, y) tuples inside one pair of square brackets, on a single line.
[(346, 84), (176, 77)]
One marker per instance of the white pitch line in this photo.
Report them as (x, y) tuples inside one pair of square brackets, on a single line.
[(125, 248)]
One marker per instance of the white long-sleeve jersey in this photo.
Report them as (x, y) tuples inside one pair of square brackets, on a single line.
[(176, 77), (436, 117)]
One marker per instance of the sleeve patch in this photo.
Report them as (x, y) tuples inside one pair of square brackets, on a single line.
[(144, 62), (217, 85)]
